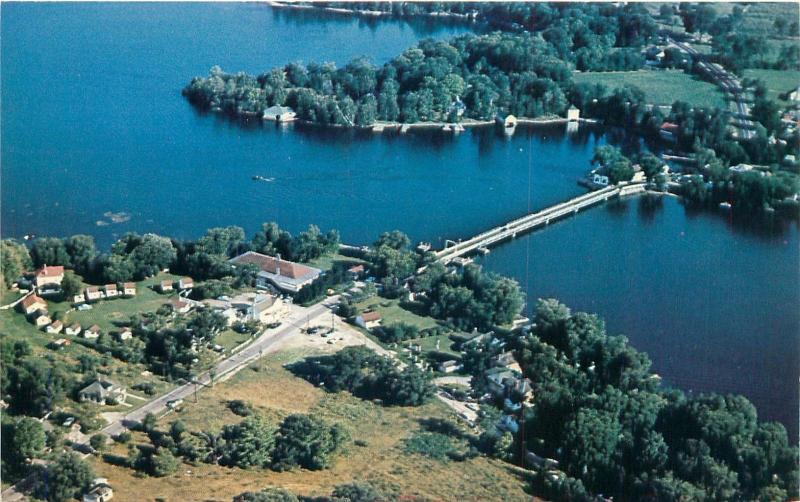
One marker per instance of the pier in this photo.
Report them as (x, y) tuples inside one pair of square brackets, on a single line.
[(456, 251)]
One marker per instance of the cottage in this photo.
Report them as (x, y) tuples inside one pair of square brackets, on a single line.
[(573, 114), (356, 271), (180, 306), (369, 320), (102, 391), (49, 275), (449, 366), (78, 299), (31, 304), (186, 283), (509, 122), (93, 293), (125, 334), (55, 327), (669, 131), (279, 114), (165, 286), (129, 289), (92, 332), (74, 329), (110, 290), (285, 275), (60, 343), (42, 319), (100, 492)]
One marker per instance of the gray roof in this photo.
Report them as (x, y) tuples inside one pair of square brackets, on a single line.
[(277, 110)]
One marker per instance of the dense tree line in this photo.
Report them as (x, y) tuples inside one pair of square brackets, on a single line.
[(298, 441), (602, 414), (479, 76), (469, 298), (367, 375)]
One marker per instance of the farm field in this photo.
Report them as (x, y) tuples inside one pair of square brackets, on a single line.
[(778, 82), (274, 392), (660, 87)]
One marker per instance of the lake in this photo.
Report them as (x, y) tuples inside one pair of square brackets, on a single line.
[(93, 123)]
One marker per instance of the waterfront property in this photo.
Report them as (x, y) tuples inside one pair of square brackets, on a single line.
[(282, 274), (279, 114), (52, 275)]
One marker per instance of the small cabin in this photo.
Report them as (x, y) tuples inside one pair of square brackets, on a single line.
[(573, 114), (279, 114), (509, 122)]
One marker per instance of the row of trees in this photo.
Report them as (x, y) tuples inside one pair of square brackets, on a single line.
[(525, 74), (469, 298), (601, 413), (135, 257), (367, 375)]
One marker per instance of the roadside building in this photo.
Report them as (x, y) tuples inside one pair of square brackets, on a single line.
[(129, 289), (279, 114), (31, 304), (368, 320), (103, 390), (259, 307), (283, 274), (49, 275)]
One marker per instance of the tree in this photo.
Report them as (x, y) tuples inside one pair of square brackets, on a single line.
[(82, 252), (71, 285), (63, 479), (23, 440), (49, 251), (163, 463), (307, 442), (267, 495), (15, 260), (148, 423), (249, 443), (98, 441), (357, 492)]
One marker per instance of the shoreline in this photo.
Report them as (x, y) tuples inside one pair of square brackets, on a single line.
[(371, 13)]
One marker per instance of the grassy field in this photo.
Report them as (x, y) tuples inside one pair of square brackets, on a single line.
[(778, 82), (275, 393), (326, 262), (660, 87), (392, 312)]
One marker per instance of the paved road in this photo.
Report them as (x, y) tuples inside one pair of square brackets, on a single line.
[(227, 367), (728, 82)]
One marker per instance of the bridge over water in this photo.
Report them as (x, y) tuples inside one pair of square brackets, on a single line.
[(510, 230)]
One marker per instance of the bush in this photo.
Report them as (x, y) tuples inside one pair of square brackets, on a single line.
[(307, 442), (98, 441), (430, 444), (397, 332), (241, 408), (123, 437)]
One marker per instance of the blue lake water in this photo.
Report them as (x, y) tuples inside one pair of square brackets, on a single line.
[(93, 122)]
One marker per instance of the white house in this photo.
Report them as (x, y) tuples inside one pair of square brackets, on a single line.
[(92, 332), (368, 320), (93, 293), (129, 289), (74, 329), (55, 327), (31, 304), (573, 114), (49, 275), (111, 290), (283, 274), (449, 366), (279, 114), (165, 285), (100, 492), (186, 283), (125, 334), (42, 320)]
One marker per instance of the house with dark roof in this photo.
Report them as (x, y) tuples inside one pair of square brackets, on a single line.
[(283, 274), (102, 390)]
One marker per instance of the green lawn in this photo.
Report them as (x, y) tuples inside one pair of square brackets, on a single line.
[(326, 262), (777, 81), (661, 87), (392, 312)]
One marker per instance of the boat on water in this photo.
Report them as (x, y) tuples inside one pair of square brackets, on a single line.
[(262, 178)]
